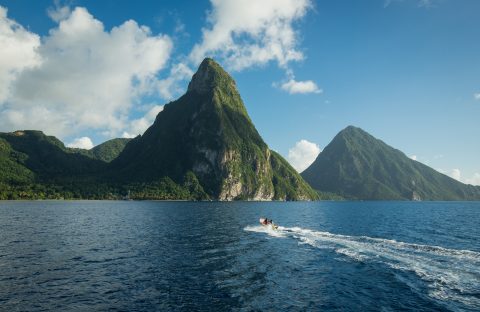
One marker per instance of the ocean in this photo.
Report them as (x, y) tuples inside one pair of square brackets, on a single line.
[(215, 256)]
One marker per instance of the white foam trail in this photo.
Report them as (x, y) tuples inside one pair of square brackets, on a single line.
[(265, 229), (450, 274)]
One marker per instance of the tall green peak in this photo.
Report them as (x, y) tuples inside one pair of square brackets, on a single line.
[(210, 75), (208, 134), (357, 165)]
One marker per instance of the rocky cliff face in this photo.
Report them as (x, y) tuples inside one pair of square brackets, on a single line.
[(208, 132)]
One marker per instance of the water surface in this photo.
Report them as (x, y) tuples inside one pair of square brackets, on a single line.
[(348, 256)]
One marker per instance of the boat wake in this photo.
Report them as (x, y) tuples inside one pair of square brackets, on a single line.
[(450, 274)]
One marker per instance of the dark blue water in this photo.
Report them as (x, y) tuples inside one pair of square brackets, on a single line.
[(347, 256)]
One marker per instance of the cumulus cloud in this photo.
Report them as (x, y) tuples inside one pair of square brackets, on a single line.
[(300, 87), (303, 154), (414, 157), (138, 126), (83, 142), (474, 180), (456, 174), (250, 32), (18, 52), (476, 96), (89, 77)]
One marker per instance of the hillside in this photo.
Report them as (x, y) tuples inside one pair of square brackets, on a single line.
[(356, 165)]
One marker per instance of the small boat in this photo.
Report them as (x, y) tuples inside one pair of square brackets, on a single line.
[(268, 223)]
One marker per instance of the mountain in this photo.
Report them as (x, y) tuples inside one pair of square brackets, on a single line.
[(202, 146), (208, 135), (356, 165), (36, 166), (47, 156)]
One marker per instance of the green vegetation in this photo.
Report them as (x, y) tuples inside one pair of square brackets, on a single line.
[(202, 146), (358, 166), (287, 182)]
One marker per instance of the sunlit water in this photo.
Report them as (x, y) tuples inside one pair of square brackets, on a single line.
[(347, 256)]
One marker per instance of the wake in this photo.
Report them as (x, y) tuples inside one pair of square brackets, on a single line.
[(450, 274)]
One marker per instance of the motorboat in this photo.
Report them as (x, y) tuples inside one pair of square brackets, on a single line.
[(268, 223)]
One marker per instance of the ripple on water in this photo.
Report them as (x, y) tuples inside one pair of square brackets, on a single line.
[(212, 256)]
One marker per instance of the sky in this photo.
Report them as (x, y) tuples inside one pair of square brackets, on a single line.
[(406, 71)]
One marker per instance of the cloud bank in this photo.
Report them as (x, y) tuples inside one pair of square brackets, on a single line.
[(18, 52), (250, 32), (81, 76)]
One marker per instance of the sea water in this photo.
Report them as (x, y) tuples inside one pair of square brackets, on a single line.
[(181, 256)]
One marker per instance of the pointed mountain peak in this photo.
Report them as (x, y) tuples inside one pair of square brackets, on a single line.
[(354, 134), (210, 75), (352, 130)]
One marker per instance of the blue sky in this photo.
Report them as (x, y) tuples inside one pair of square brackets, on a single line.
[(407, 71)]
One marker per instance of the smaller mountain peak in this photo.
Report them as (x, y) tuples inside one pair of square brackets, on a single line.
[(351, 131), (209, 75)]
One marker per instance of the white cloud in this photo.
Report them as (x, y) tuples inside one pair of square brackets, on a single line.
[(83, 142), (303, 154), (250, 32), (89, 78), (295, 87), (169, 86), (18, 51), (456, 174), (246, 33), (138, 126), (414, 157), (476, 96), (474, 180), (59, 12)]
